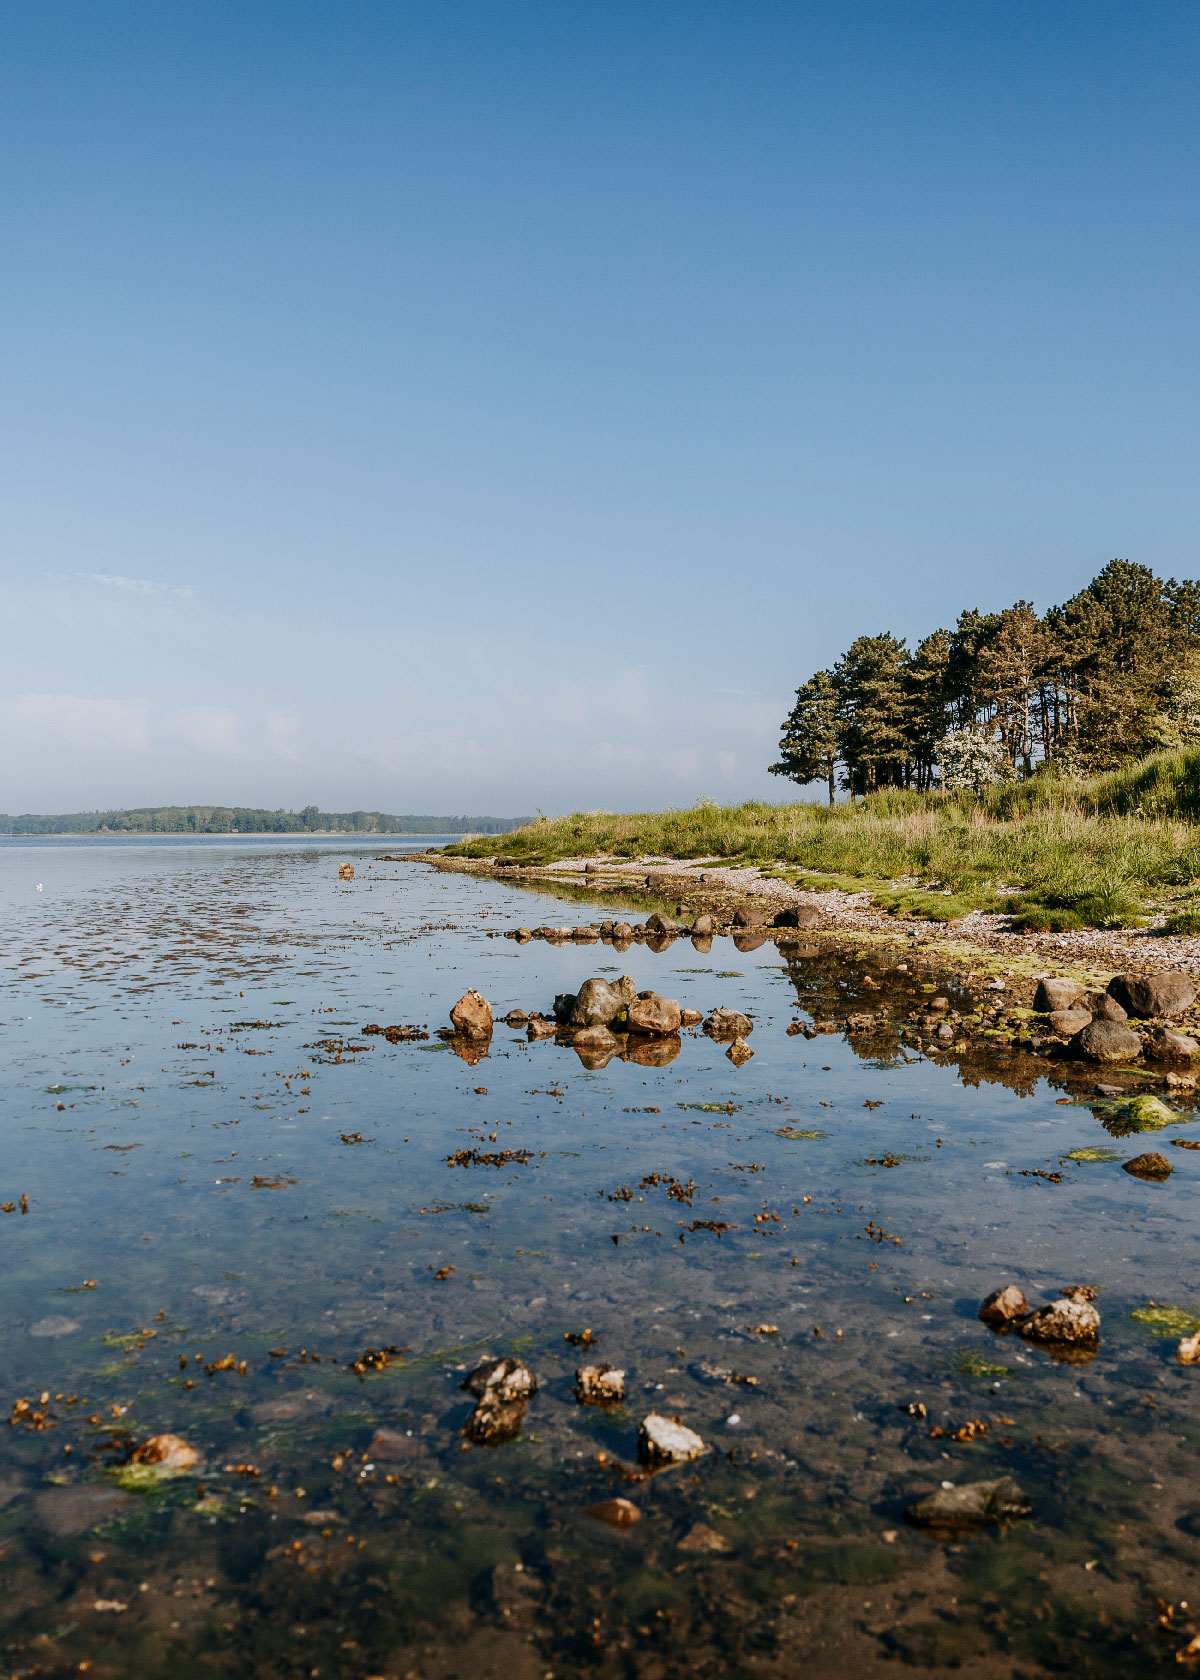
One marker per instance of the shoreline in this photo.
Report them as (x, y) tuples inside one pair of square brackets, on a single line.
[(978, 940)]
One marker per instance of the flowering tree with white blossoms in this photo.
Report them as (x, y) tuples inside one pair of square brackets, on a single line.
[(972, 758)]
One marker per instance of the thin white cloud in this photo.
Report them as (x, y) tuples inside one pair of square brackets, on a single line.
[(135, 586), (77, 721), (210, 729), (283, 735)]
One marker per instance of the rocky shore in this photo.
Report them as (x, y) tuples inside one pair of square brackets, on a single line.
[(769, 906)]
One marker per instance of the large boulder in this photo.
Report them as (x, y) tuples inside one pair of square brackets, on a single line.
[(653, 1015), (472, 1016), (704, 927), (1104, 1008), (595, 1004), (1107, 1041), (1055, 994), (1166, 1045), (1147, 995), (658, 923), (797, 916), (754, 913), (1067, 1022)]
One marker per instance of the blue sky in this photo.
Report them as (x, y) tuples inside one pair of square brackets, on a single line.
[(475, 407)]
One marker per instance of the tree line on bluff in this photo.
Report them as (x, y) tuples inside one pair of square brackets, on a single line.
[(1112, 674)]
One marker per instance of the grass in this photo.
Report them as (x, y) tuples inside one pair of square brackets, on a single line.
[(1058, 854)]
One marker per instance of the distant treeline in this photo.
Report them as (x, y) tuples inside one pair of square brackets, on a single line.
[(244, 819), (1110, 676)]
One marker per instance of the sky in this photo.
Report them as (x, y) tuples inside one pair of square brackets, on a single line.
[(481, 408)]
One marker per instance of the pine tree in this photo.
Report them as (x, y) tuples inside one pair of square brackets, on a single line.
[(809, 746)]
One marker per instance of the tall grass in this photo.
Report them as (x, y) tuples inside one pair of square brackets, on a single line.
[(1061, 853)]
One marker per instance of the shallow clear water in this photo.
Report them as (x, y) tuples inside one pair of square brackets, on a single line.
[(218, 1162)]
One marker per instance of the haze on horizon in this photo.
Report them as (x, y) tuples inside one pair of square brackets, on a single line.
[(483, 407)]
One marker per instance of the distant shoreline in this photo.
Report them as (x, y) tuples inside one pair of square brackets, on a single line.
[(226, 834)]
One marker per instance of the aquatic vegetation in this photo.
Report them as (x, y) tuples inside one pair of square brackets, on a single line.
[(1167, 1321)]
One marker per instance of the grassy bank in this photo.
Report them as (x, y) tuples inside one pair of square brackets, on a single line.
[(1059, 855)]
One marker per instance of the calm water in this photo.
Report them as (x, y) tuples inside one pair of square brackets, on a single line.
[(219, 1163)]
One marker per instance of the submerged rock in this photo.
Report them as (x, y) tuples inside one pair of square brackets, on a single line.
[(973, 1505), (1187, 1350), (664, 1440), (1147, 995), (1004, 1306), (728, 1024), (1150, 1165), (165, 1455), (599, 1385), (617, 1513), (701, 1538), (1107, 1041), (472, 1016)]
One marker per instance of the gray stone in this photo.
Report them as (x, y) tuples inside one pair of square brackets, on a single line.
[(1107, 1041), (1004, 1306), (1147, 995), (797, 916), (595, 1004), (506, 1379), (599, 1385), (472, 1016), (704, 926), (1057, 994), (1067, 1022), (1105, 1008), (1069, 1321), (663, 1440), (1165, 1045), (654, 1015), (728, 1024)]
